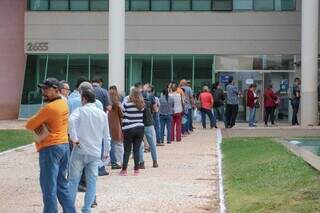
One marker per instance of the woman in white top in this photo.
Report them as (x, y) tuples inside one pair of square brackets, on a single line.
[(177, 113)]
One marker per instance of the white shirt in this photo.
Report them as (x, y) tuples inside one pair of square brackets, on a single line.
[(89, 126)]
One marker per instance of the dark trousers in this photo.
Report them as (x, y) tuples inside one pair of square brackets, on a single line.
[(269, 112), (231, 114), (295, 103), (208, 112), (132, 138), (190, 120)]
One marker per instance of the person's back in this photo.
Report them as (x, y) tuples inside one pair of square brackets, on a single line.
[(218, 97), (232, 94), (177, 102), (166, 105), (188, 96), (269, 98), (92, 123), (206, 100)]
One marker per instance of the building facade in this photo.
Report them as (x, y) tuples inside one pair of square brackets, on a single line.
[(200, 40)]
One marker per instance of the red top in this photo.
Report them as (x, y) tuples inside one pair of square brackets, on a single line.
[(206, 100), (269, 98), (250, 99)]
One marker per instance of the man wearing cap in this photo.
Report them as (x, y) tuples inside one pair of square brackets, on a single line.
[(54, 149)]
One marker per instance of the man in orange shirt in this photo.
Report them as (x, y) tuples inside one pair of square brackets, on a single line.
[(54, 149)]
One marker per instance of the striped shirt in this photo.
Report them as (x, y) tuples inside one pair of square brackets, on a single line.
[(132, 116)]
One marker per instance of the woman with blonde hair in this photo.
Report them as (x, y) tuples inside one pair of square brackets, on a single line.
[(132, 128), (115, 122)]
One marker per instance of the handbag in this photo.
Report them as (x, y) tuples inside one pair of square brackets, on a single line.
[(257, 104)]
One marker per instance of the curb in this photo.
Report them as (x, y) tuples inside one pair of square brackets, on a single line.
[(15, 149), (220, 173)]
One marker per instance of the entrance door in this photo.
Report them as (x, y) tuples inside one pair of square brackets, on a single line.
[(243, 80)]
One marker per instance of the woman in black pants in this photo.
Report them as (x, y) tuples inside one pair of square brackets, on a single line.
[(133, 129)]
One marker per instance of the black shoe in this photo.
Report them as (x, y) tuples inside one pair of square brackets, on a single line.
[(141, 165), (82, 188), (94, 204), (116, 166), (103, 172)]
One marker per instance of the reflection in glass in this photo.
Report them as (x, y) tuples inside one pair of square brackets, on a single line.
[(161, 72), (222, 4), (140, 5), (202, 72), (160, 5), (79, 5), (39, 4), (242, 4), (57, 67), (99, 68), (78, 67), (182, 5), (182, 68), (59, 5), (283, 5), (201, 5), (263, 4), (99, 5)]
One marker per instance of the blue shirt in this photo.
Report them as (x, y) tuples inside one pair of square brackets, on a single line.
[(74, 102)]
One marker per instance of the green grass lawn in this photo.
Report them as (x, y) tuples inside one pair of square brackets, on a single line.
[(260, 175), (10, 139)]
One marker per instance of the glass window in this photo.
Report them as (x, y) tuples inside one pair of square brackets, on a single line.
[(285, 5), (99, 68), (202, 71), (99, 5), (222, 4), (182, 68), (160, 5), (258, 63), (79, 5), (78, 67), (31, 98), (201, 5), (140, 5), (59, 5), (242, 4), (127, 5), (161, 72), (140, 69), (234, 62), (264, 4), (182, 5), (57, 67), (38, 4)]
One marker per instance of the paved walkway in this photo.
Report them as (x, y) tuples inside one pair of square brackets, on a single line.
[(186, 181)]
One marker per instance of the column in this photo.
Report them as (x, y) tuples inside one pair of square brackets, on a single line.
[(117, 44), (309, 62)]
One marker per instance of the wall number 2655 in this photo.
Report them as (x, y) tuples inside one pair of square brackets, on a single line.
[(37, 46)]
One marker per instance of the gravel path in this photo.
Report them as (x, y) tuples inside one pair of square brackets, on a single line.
[(185, 181)]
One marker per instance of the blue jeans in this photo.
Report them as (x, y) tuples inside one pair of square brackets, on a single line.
[(89, 163), (151, 139), (208, 112), (190, 119), (156, 119), (219, 114), (186, 126), (252, 115), (54, 183), (116, 152), (165, 121)]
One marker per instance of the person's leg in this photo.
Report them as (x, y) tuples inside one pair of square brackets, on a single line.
[(138, 137), (190, 120), (251, 119), (217, 113), (211, 118), (63, 191), (127, 142), (118, 152), (112, 153), (162, 125), (151, 139), (228, 115), (49, 162), (174, 121), (156, 118), (234, 112), (178, 127), (203, 118), (168, 124), (76, 167), (272, 115), (295, 108), (267, 115), (222, 115), (91, 169)]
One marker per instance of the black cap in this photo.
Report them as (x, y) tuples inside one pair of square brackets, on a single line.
[(50, 82)]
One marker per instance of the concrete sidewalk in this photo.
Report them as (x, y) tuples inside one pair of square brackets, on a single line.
[(186, 181)]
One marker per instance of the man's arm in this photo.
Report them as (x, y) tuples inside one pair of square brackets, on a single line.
[(106, 134), (108, 101), (38, 119), (73, 122)]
